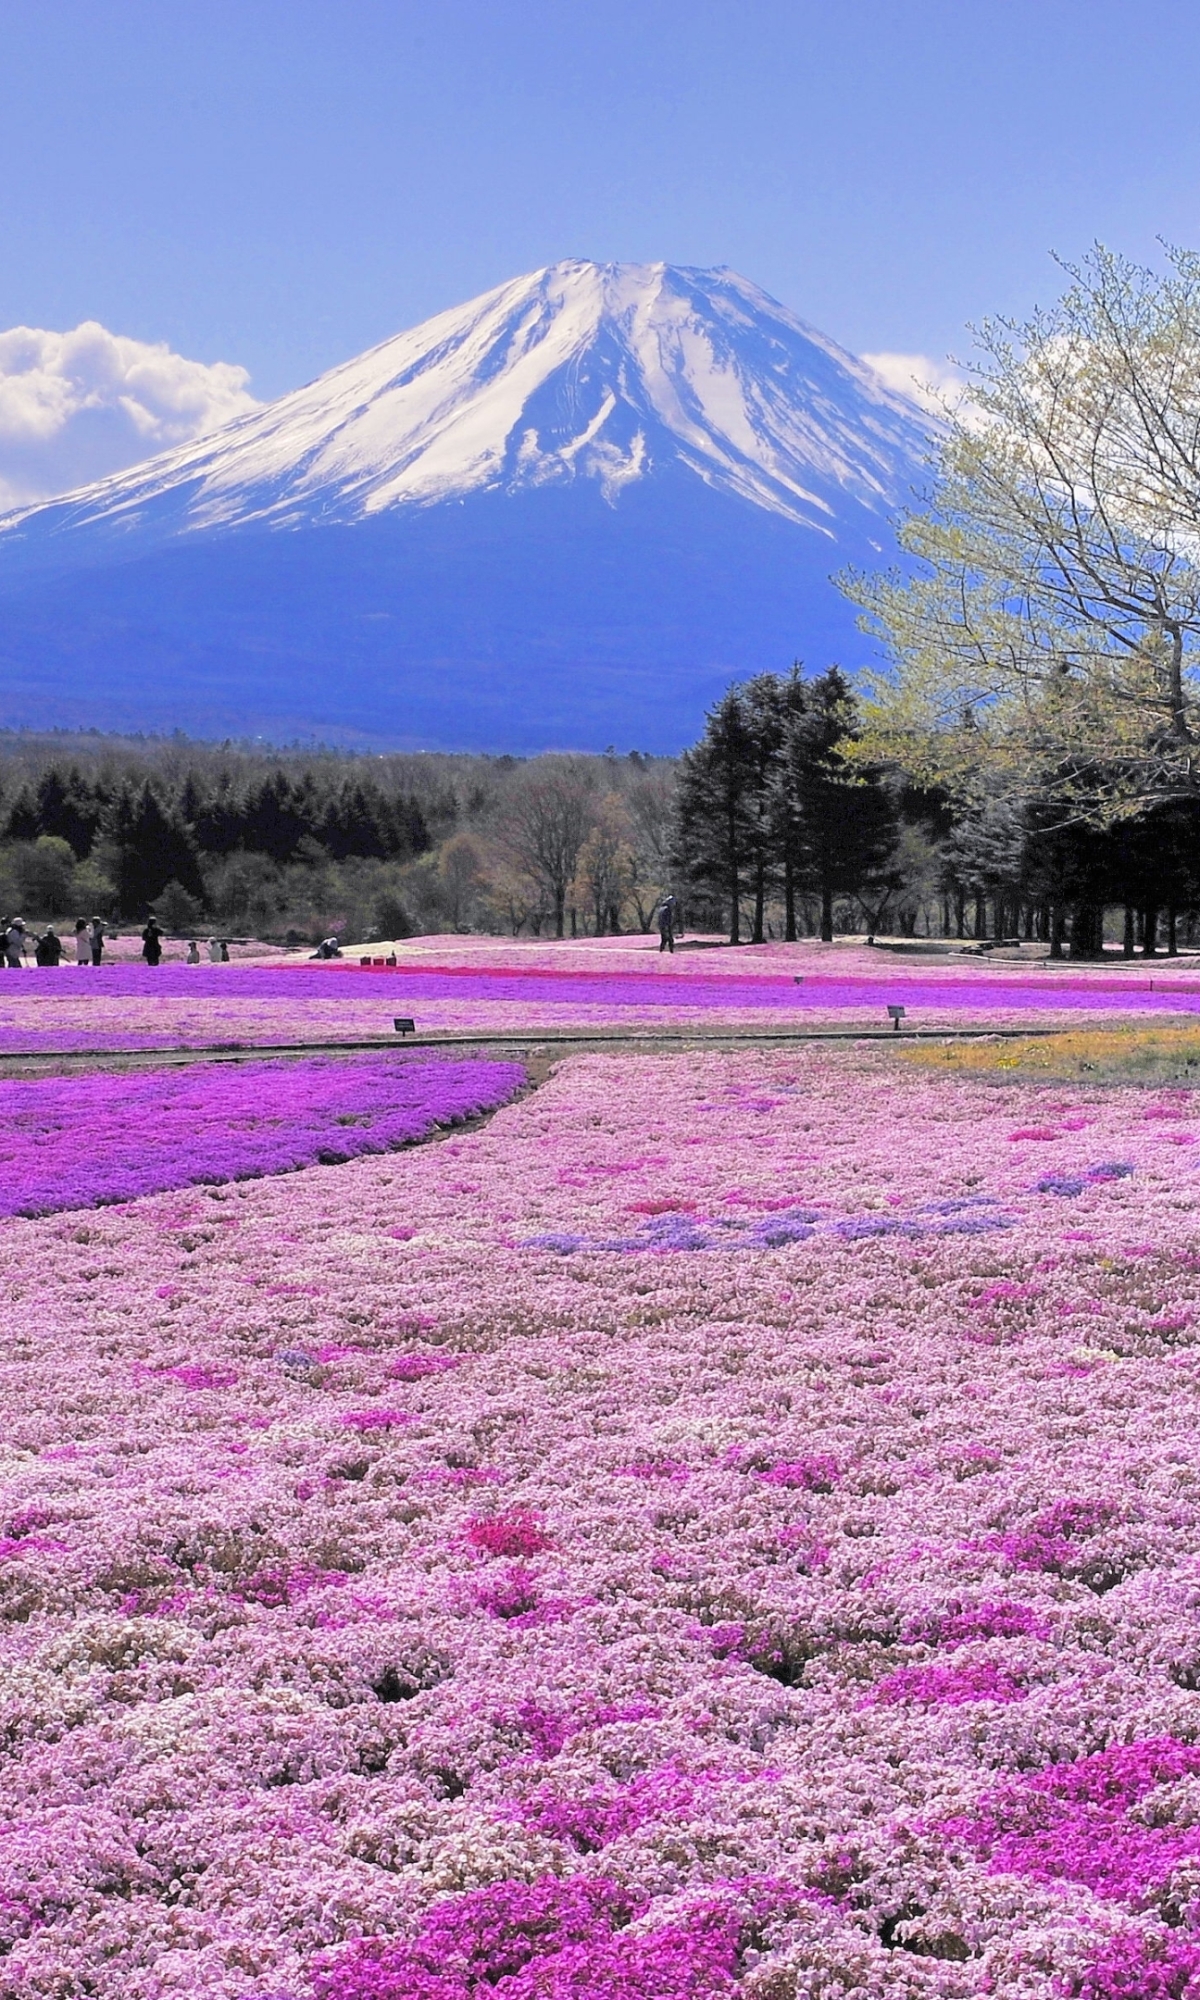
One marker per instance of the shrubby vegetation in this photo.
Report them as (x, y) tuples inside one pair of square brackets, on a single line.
[(298, 844)]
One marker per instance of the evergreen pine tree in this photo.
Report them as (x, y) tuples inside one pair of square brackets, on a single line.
[(718, 826), (843, 820)]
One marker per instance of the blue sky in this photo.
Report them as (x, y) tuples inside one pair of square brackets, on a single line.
[(279, 183)]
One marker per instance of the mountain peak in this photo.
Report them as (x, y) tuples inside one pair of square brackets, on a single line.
[(564, 513), (608, 372)]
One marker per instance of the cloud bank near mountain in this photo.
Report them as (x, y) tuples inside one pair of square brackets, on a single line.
[(937, 386), (77, 406)]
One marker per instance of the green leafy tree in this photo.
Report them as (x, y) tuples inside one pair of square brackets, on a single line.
[(1046, 639)]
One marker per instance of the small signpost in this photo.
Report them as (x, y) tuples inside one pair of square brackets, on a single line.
[(897, 1015), (403, 1026)]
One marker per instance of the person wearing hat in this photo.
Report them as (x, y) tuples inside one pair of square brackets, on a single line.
[(152, 943), (48, 949), (16, 941)]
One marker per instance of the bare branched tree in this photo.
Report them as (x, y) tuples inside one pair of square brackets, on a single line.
[(544, 820)]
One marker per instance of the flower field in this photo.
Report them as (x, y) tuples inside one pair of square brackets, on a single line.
[(125, 1006), (726, 1527), (81, 1141)]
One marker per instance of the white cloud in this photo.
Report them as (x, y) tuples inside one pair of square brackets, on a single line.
[(77, 406), (935, 385)]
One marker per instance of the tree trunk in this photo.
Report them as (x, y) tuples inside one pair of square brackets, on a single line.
[(1172, 932), (980, 917), (735, 910), (1150, 931), (789, 900), (1127, 944), (560, 911), (760, 897), (826, 914), (1057, 930), (960, 914), (1087, 931)]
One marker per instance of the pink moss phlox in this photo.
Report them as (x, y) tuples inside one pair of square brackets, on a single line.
[(1073, 1822), (367, 1421), (655, 1465), (1132, 1966), (593, 1821), (202, 1375), (512, 1594), (515, 1534), (415, 1367), (998, 1618), (818, 1473), (204, 1125), (545, 1940), (947, 1686)]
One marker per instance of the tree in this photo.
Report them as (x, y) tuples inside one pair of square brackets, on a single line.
[(147, 849), (544, 821), (650, 801), (841, 824), (461, 873), (1049, 637), (605, 868), (718, 804)]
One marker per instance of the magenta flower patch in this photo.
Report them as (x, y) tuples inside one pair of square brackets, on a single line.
[(1086, 1822), (79, 1142), (545, 1940)]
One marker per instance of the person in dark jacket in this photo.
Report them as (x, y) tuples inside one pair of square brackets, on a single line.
[(48, 949), (152, 943), (668, 910)]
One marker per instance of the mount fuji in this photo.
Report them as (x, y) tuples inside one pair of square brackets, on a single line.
[(563, 515)]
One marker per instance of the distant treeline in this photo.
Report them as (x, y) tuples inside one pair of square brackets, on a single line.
[(298, 843)]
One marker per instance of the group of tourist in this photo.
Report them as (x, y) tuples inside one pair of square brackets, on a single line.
[(89, 941)]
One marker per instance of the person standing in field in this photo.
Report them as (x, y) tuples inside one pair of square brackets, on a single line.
[(193, 952), (214, 951), (667, 911), (48, 949), (83, 942), (96, 939), (16, 939), (152, 943)]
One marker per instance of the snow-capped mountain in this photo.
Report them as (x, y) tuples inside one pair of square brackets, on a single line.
[(568, 511)]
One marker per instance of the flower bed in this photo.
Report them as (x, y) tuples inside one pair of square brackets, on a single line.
[(73, 1010), (394, 1605), (79, 1142)]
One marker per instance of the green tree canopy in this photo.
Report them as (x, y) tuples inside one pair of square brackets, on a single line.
[(1047, 639)]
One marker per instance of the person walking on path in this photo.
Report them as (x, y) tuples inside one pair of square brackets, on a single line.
[(152, 943), (16, 941), (48, 949), (668, 910), (83, 942), (96, 939)]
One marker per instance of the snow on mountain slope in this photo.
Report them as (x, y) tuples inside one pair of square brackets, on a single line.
[(568, 512), (578, 371)]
